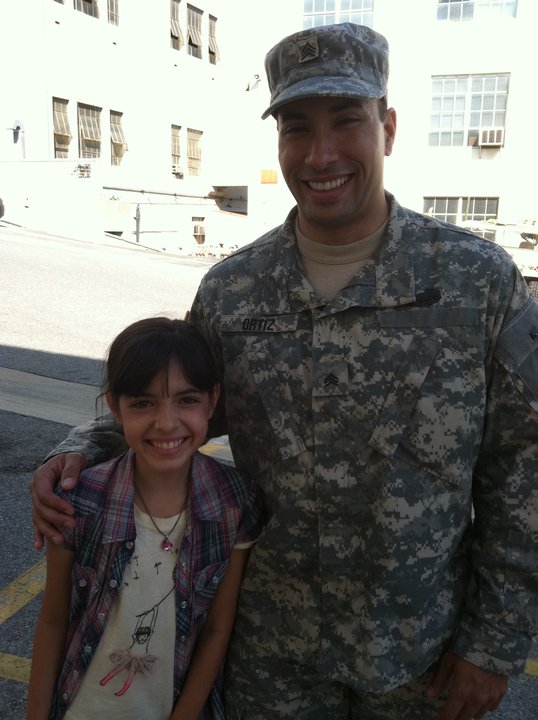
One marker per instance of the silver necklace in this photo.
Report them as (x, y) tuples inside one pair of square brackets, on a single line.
[(166, 544)]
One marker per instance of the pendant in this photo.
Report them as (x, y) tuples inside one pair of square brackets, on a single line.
[(166, 545)]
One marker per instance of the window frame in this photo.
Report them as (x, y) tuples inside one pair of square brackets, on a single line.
[(113, 10), (88, 7), (463, 211), (337, 11), (212, 47), (61, 127), (194, 151), (176, 36), (467, 10), (118, 144), (175, 150), (194, 31), (463, 106), (89, 131)]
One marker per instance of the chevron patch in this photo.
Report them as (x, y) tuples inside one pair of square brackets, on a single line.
[(307, 49), (331, 379)]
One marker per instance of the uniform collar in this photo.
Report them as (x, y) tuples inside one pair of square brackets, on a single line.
[(387, 281)]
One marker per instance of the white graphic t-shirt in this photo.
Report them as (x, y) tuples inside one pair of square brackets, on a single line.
[(132, 672)]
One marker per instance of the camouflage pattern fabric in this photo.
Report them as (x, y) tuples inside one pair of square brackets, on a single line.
[(373, 423), (343, 60)]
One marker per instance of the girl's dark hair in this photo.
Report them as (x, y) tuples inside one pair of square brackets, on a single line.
[(146, 348)]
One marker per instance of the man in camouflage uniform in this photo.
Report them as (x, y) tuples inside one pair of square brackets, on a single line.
[(380, 373)]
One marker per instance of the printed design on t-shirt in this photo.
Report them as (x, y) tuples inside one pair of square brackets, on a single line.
[(127, 659)]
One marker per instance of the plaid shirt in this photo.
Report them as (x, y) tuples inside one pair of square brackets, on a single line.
[(224, 511)]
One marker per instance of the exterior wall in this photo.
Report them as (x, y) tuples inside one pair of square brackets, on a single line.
[(56, 51), (51, 50)]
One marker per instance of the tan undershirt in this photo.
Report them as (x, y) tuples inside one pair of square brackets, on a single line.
[(329, 268)]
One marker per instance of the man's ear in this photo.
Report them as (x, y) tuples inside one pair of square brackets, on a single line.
[(390, 130), (114, 409)]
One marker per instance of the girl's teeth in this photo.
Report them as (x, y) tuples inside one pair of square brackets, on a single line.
[(167, 445)]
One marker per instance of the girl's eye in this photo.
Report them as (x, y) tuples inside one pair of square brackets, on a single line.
[(188, 400), (140, 404)]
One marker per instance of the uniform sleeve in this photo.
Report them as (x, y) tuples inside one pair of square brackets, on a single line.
[(501, 617), (252, 516), (98, 440)]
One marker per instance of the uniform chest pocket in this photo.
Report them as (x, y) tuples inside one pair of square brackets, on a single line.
[(432, 414), (265, 377)]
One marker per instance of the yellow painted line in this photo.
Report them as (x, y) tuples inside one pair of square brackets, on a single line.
[(22, 590), (14, 668), (532, 668)]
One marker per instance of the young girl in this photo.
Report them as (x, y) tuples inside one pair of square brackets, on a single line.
[(140, 601)]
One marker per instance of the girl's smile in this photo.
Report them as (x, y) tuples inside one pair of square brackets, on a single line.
[(166, 424)]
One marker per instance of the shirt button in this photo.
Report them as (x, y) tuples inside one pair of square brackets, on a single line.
[(101, 616), (113, 583), (184, 604), (183, 564), (65, 696), (183, 638), (87, 648), (129, 544), (82, 582), (215, 580)]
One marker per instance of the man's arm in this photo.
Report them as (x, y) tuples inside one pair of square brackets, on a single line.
[(85, 446), (495, 633)]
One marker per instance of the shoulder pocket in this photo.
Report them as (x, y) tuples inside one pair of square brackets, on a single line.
[(517, 351)]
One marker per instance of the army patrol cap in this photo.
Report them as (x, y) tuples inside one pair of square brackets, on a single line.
[(331, 60)]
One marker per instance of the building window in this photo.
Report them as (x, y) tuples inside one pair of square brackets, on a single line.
[(194, 31), (89, 131), (213, 49), (114, 12), (469, 9), (89, 7), (468, 110), (194, 151), (62, 131), (176, 36), (464, 211), (326, 12), (198, 230), (118, 146), (177, 168)]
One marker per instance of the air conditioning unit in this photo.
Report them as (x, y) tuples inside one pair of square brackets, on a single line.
[(177, 170), (491, 137)]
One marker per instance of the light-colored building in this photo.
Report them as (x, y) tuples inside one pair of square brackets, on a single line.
[(120, 116), (172, 92)]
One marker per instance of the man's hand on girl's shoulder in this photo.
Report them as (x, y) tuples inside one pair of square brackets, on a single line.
[(49, 512)]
